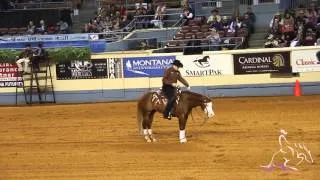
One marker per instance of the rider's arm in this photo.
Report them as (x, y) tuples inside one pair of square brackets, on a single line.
[(182, 80)]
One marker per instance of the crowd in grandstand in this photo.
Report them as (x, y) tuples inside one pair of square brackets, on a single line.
[(293, 28)]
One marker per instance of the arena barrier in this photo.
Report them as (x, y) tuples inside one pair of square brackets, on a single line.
[(123, 76)]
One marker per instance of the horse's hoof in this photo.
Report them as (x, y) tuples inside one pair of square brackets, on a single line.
[(153, 139), (183, 141), (147, 138)]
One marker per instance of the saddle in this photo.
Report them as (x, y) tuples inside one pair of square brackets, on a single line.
[(158, 97)]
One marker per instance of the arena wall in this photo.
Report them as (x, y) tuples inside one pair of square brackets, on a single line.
[(124, 89)]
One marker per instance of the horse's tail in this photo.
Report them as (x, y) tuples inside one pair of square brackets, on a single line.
[(139, 119)]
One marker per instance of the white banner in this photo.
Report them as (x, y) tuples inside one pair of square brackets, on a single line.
[(305, 60), (55, 37), (206, 65)]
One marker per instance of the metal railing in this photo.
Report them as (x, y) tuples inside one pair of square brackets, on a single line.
[(43, 5), (147, 21)]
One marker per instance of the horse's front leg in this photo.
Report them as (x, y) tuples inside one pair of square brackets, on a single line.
[(182, 127)]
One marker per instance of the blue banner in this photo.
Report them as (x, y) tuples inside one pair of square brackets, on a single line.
[(152, 66)]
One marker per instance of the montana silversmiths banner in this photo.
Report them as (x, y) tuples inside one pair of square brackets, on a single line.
[(305, 60), (257, 63), (91, 69), (114, 68), (151, 66), (9, 75), (206, 65)]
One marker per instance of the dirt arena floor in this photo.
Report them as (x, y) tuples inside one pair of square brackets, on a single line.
[(100, 141)]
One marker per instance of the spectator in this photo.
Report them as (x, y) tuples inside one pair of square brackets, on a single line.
[(296, 41), (124, 22), (215, 40), (30, 28), (310, 38), (150, 13), (251, 15), (43, 28), (188, 14), (161, 10), (301, 17), (215, 15), (275, 24), (63, 27), (247, 23), (225, 23), (123, 11), (38, 56), (232, 27), (287, 24), (216, 25), (24, 58), (272, 42), (140, 18)]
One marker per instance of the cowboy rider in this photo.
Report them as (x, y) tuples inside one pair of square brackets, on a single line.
[(25, 58), (169, 85)]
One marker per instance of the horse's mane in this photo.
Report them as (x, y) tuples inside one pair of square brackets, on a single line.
[(193, 93)]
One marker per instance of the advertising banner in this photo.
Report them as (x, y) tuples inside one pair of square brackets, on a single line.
[(152, 66), (9, 75), (257, 63), (204, 65), (305, 60), (95, 69), (114, 68)]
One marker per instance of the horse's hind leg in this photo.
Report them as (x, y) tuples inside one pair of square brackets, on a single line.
[(145, 126), (151, 116)]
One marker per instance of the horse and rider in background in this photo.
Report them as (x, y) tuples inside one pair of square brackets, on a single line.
[(172, 102)]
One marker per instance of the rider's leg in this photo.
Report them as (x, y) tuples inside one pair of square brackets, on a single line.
[(169, 93)]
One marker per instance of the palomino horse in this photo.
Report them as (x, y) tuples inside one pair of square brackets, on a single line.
[(153, 102)]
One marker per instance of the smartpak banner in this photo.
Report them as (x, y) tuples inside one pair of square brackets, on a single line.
[(204, 65), (152, 66), (305, 60)]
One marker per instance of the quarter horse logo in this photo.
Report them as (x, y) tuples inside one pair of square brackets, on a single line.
[(318, 57), (202, 62), (290, 156)]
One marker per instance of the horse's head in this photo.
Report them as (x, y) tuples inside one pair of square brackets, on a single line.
[(207, 107)]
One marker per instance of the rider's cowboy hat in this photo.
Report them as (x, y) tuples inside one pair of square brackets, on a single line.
[(177, 63)]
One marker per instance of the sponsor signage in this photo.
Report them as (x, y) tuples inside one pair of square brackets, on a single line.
[(152, 66), (9, 75), (114, 68), (44, 38), (257, 63), (204, 65), (305, 60), (76, 69)]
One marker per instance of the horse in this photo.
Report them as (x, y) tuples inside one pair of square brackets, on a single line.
[(152, 102)]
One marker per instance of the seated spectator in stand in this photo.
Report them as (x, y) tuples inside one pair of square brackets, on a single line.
[(30, 28), (116, 25), (215, 15), (232, 27), (188, 14), (239, 23), (284, 41), (301, 17), (296, 41), (123, 11), (124, 23), (24, 58), (271, 42), (299, 27), (150, 13), (225, 23), (310, 38), (140, 18), (247, 23), (160, 12), (215, 24), (63, 27), (287, 24), (85, 29), (311, 20), (250, 18), (38, 56), (275, 24), (215, 40), (43, 28)]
